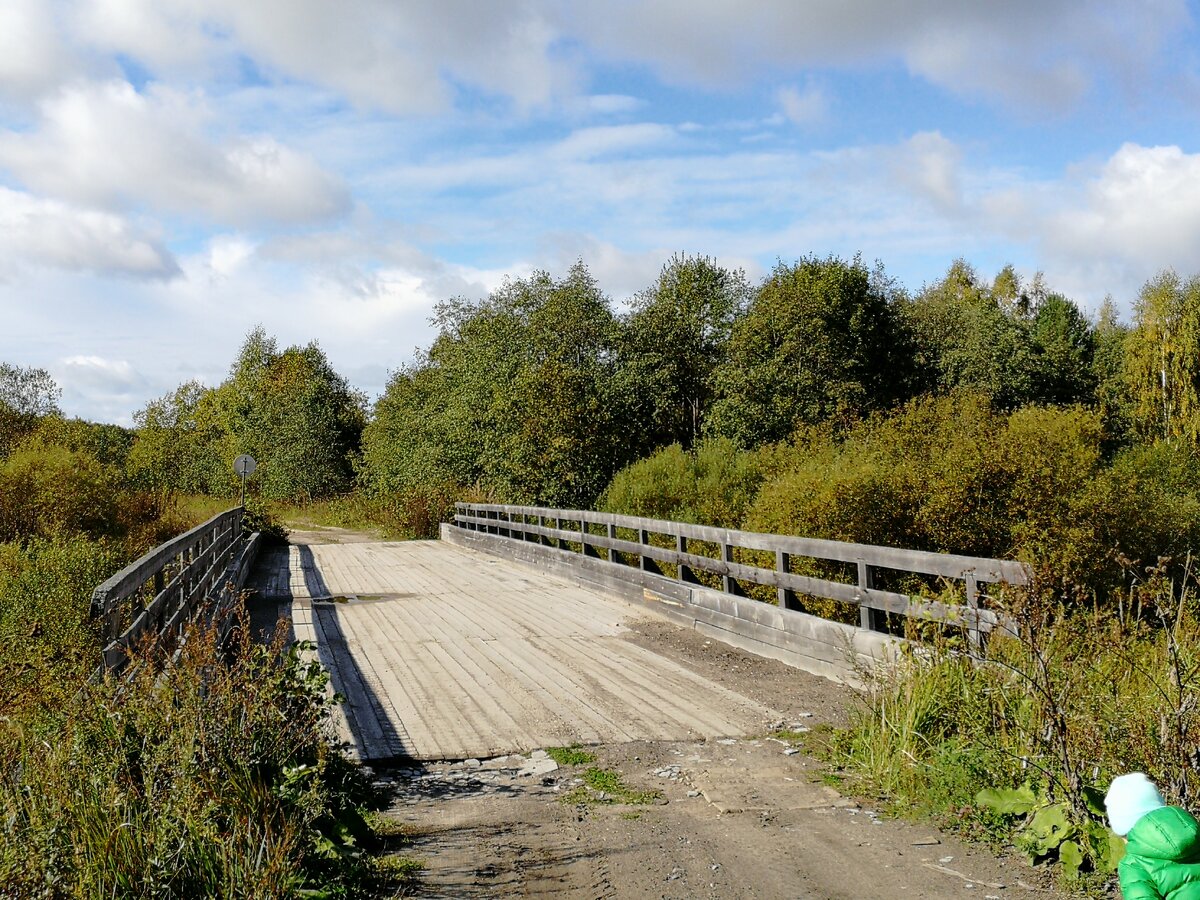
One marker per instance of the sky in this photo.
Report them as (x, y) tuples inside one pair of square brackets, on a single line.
[(175, 172)]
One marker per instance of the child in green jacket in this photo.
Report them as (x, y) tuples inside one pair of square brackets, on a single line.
[(1162, 843)]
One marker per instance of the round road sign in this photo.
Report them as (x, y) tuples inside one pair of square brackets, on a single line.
[(244, 465)]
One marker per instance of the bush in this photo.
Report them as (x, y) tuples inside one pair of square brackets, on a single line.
[(46, 489), (209, 779), (50, 644), (712, 485)]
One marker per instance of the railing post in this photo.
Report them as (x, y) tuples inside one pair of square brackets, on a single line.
[(728, 583), (786, 597), (867, 618), (586, 548), (684, 574), (644, 562), (974, 633), (612, 536)]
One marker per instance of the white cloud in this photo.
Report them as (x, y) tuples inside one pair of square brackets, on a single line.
[(588, 143), (34, 56), (930, 165), (807, 107), (1031, 53), (107, 145), (108, 389), (404, 58), (58, 235)]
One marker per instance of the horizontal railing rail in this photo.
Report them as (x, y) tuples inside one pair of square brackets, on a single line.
[(155, 598), (549, 526)]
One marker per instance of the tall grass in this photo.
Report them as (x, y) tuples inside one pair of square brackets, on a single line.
[(211, 777), (1079, 696)]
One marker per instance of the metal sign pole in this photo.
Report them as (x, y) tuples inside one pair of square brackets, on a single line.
[(244, 466)]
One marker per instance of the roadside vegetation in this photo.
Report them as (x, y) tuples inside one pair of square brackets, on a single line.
[(985, 416)]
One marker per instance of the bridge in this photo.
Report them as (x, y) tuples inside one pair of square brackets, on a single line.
[(511, 632), (523, 628)]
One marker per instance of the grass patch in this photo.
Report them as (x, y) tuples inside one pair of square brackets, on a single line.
[(787, 734), (606, 787), (573, 755), (398, 876), (350, 512)]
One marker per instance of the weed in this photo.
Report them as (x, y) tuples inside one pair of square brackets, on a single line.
[(605, 786), (789, 735), (573, 755)]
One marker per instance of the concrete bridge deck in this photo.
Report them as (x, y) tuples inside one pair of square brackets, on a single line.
[(447, 653)]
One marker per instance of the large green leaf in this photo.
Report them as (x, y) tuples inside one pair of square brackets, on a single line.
[(1008, 801), (1070, 854), (1048, 827)]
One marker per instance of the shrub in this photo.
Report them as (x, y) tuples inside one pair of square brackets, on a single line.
[(209, 779), (711, 485)]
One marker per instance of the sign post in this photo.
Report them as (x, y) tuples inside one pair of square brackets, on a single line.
[(244, 466)]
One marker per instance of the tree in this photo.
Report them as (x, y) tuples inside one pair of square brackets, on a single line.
[(1163, 358), (674, 340), (1065, 344), (821, 339), (298, 417), (516, 395), (26, 395), (1108, 371), (967, 341)]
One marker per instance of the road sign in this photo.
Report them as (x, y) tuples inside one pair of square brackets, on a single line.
[(244, 466)]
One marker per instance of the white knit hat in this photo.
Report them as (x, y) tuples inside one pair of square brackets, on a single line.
[(1128, 799)]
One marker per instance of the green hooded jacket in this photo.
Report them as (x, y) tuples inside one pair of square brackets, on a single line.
[(1162, 857)]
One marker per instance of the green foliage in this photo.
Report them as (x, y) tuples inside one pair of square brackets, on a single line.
[(713, 484), (950, 474), (673, 342), (49, 642), (211, 779), (821, 339), (290, 410), (46, 489), (1161, 360), (259, 517), (573, 755), (1010, 345), (517, 395), (26, 396), (606, 786), (1049, 828)]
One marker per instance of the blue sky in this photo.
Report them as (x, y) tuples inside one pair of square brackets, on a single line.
[(173, 172)]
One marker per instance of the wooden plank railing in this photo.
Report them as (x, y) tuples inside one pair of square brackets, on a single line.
[(571, 529), (156, 597)]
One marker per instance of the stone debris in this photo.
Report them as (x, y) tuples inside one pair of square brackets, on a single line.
[(671, 772), (790, 751)]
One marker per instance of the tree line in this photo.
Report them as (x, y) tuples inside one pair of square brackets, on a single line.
[(547, 393)]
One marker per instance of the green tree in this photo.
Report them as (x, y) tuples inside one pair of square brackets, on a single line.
[(180, 444), (674, 340), (27, 394), (295, 414), (516, 395), (298, 417), (1163, 358), (821, 339), (1108, 371), (1064, 343)]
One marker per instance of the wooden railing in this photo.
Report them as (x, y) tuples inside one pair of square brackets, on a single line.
[(156, 597), (592, 532)]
